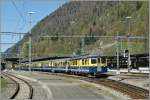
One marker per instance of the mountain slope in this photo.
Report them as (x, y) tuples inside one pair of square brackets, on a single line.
[(88, 18)]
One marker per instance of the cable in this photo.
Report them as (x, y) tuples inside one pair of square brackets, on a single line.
[(23, 10), (18, 11), (21, 16)]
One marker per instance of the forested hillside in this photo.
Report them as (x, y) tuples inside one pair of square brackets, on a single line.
[(89, 18)]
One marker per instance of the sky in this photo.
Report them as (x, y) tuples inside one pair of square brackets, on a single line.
[(15, 17)]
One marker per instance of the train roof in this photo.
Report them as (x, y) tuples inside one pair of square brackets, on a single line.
[(86, 56), (78, 57)]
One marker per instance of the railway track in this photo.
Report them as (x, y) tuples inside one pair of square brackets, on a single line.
[(133, 91), (18, 90), (140, 75)]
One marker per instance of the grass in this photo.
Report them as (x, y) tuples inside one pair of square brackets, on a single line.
[(135, 47), (69, 80), (3, 83), (86, 85)]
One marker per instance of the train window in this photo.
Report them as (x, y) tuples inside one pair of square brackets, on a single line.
[(93, 60), (76, 62), (70, 62), (99, 60), (103, 60), (64, 64), (83, 62)]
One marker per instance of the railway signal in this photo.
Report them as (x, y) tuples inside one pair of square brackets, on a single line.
[(125, 53)]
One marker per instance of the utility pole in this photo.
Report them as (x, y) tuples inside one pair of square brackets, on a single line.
[(0, 51), (121, 45), (82, 46), (128, 47), (30, 42), (128, 43), (19, 53), (100, 48), (118, 71)]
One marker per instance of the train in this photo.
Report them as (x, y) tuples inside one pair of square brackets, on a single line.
[(86, 65), (89, 65)]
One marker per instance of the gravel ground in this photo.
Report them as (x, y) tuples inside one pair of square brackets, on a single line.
[(137, 80), (51, 87), (38, 92), (23, 91), (7, 91)]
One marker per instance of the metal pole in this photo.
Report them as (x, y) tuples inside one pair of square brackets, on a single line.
[(121, 45), (118, 71), (0, 50), (128, 41), (20, 54), (0, 40), (82, 51), (149, 52), (128, 54), (30, 44)]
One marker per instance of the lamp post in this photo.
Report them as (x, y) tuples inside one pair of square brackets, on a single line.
[(128, 41), (30, 42)]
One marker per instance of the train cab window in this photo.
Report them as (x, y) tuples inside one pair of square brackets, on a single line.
[(93, 60)]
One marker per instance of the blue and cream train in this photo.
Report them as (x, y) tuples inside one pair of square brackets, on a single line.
[(86, 64)]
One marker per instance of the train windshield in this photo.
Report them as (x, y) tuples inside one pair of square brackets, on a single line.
[(93, 60)]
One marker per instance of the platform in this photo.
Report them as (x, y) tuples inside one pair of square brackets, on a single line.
[(141, 70)]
